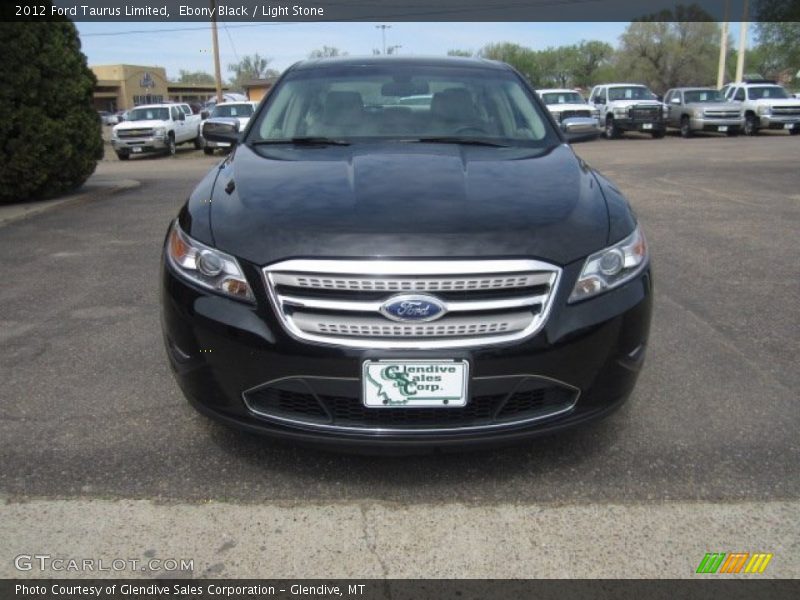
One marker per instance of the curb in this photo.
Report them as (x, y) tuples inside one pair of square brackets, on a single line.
[(89, 191)]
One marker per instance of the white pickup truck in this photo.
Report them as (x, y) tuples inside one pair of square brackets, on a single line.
[(155, 128), (766, 105)]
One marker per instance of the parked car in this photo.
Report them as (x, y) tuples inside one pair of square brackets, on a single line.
[(702, 109), (629, 107), (766, 105), (360, 274), (565, 104), (154, 128), (107, 118), (238, 111)]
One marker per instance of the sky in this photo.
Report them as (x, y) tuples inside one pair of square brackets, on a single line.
[(188, 45)]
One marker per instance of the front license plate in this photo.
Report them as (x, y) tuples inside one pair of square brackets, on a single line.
[(647, 126), (136, 149), (415, 384), (722, 128), (789, 126)]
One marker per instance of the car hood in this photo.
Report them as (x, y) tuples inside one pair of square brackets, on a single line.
[(557, 108), (407, 200), (139, 124), (626, 103), (242, 121), (778, 102)]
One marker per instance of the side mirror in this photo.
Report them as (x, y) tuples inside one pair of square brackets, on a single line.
[(676, 101), (225, 131), (204, 114), (578, 129)]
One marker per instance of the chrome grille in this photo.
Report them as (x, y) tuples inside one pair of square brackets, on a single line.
[(786, 110), (134, 133), (722, 114), (646, 113), (569, 114), (339, 301)]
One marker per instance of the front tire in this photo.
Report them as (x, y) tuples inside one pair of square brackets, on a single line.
[(171, 146), (612, 131), (208, 151), (123, 155), (198, 142), (686, 127), (750, 125)]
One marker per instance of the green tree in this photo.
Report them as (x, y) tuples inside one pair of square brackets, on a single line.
[(50, 133), (521, 58), (326, 52), (669, 49), (589, 58), (185, 76), (250, 67), (557, 66), (778, 48)]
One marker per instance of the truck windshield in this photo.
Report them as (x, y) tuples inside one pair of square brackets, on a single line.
[(690, 96), (402, 102), (563, 98), (148, 114), (767, 91), (631, 92), (232, 110)]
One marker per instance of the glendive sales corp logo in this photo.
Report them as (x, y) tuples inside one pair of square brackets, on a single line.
[(733, 562)]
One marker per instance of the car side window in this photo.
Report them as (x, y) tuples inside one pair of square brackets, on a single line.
[(739, 95), (668, 98), (174, 111), (601, 96)]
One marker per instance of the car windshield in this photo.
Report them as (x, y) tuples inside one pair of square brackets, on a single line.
[(563, 98), (630, 92), (703, 96), (148, 114), (232, 110), (767, 91), (403, 102)]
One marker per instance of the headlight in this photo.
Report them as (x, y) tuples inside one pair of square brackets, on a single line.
[(206, 266), (764, 110), (611, 267), (596, 113), (159, 131), (620, 112), (665, 111)]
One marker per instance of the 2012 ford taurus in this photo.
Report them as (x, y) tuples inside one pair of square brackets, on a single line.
[(406, 253)]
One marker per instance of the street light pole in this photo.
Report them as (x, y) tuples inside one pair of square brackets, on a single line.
[(383, 29), (215, 42), (742, 44), (723, 47)]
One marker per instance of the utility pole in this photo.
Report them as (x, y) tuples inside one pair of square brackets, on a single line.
[(215, 41), (723, 46), (383, 29), (742, 44)]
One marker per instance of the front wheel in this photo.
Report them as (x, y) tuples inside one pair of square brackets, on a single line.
[(198, 143), (123, 155), (208, 151), (750, 125), (612, 131), (686, 128), (171, 147)]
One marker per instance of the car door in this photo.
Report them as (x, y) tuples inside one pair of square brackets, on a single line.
[(600, 101), (180, 126)]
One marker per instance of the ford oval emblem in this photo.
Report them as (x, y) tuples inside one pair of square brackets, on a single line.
[(413, 308)]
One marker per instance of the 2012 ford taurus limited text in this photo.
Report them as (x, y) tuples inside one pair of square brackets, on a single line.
[(405, 253)]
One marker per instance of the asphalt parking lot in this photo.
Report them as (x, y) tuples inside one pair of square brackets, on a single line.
[(90, 418)]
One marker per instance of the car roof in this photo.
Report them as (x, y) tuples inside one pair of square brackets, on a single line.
[(413, 61), (622, 84), (154, 106), (690, 89), (229, 102)]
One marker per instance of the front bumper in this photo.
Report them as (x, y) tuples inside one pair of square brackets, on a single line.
[(210, 144), (627, 124), (779, 122), (144, 144), (220, 348), (712, 124)]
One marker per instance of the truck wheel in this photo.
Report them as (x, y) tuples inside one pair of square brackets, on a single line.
[(686, 127), (198, 142), (171, 147), (750, 125), (612, 131), (658, 134), (208, 151), (123, 155)]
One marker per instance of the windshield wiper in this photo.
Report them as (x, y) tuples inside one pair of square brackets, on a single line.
[(465, 141), (304, 141)]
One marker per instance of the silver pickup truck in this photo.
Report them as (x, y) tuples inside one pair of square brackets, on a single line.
[(766, 105), (154, 128), (702, 109)]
